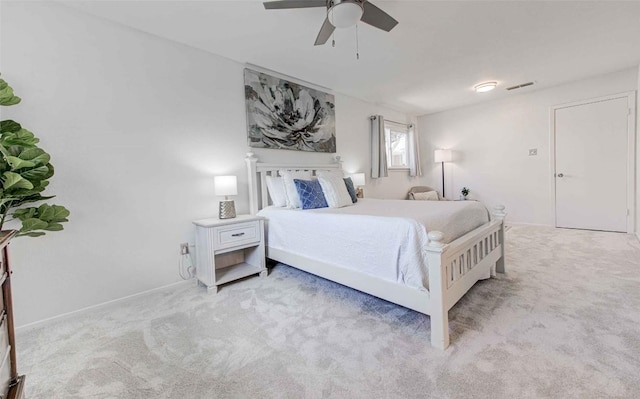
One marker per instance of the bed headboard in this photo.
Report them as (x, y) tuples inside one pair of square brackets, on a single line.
[(258, 172)]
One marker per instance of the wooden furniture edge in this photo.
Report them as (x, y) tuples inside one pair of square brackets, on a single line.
[(6, 236), (16, 389), (16, 383)]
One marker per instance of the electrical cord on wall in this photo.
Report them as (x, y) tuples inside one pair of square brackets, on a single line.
[(185, 267)]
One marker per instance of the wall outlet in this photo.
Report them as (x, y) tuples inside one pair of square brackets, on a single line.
[(184, 249), (533, 152)]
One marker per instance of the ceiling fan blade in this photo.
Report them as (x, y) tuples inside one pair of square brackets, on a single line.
[(376, 17), (282, 4), (325, 32)]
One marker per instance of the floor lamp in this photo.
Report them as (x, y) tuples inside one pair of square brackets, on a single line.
[(442, 156)]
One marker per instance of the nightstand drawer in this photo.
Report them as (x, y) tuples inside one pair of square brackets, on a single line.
[(237, 234)]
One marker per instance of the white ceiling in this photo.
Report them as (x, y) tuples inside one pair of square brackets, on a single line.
[(428, 63)]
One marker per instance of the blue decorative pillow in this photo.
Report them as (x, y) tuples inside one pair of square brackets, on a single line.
[(351, 189), (310, 193)]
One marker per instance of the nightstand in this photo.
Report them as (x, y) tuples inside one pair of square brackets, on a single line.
[(229, 249)]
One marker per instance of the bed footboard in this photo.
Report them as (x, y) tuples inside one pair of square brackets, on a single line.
[(455, 267)]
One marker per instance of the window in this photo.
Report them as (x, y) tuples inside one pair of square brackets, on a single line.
[(397, 140)]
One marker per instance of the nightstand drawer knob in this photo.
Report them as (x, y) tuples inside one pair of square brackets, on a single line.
[(237, 235)]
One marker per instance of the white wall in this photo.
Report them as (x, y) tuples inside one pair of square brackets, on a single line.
[(137, 126), (491, 142), (638, 157)]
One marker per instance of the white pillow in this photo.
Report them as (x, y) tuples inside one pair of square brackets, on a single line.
[(335, 190), (275, 186), (293, 199), (428, 196)]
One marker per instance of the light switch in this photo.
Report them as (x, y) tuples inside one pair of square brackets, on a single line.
[(533, 151)]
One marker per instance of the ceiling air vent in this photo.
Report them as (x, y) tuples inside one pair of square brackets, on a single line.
[(520, 86)]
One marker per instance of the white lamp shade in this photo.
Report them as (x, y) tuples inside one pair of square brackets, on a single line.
[(358, 179), (226, 185), (442, 156), (344, 15)]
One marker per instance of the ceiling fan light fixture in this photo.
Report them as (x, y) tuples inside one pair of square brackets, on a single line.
[(485, 87), (344, 14)]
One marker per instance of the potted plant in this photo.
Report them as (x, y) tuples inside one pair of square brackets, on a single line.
[(25, 171), (464, 192)]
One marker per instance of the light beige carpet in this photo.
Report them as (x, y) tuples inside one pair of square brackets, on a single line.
[(564, 322)]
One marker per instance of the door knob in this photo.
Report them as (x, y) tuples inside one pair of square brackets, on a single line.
[(560, 174)]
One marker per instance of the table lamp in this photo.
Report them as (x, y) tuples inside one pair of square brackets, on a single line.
[(226, 185), (359, 182)]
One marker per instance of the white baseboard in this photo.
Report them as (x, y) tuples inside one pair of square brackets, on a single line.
[(102, 305), (509, 223), (512, 224)]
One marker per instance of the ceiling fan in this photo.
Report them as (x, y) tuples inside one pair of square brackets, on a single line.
[(340, 14)]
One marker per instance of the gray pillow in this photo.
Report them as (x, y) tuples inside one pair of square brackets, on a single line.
[(351, 189)]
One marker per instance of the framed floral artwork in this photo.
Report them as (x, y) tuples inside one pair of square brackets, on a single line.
[(286, 115)]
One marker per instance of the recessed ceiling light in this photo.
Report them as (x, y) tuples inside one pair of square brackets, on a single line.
[(485, 87)]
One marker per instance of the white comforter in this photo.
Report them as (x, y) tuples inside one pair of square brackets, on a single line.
[(383, 238)]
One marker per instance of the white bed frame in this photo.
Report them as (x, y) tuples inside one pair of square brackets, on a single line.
[(453, 268)]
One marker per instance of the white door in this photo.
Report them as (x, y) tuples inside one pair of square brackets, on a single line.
[(591, 165)]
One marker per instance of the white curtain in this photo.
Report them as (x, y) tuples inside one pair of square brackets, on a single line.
[(378, 148), (414, 153)]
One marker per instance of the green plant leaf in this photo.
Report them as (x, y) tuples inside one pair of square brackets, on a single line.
[(34, 196), (22, 137), (17, 163), (14, 181), (45, 217), (54, 227), (51, 172), (31, 234), (25, 137), (4, 201), (9, 126), (38, 174), (13, 100), (46, 212), (13, 150), (35, 155), (6, 94), (25, 213), (33, 224), (52, 213)]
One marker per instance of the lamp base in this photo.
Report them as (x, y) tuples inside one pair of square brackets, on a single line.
[(359, 192), (227, 209)]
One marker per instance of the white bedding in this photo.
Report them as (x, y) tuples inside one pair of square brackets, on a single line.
[(383, 238)]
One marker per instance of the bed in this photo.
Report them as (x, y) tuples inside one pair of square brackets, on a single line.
[(423, 255)]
